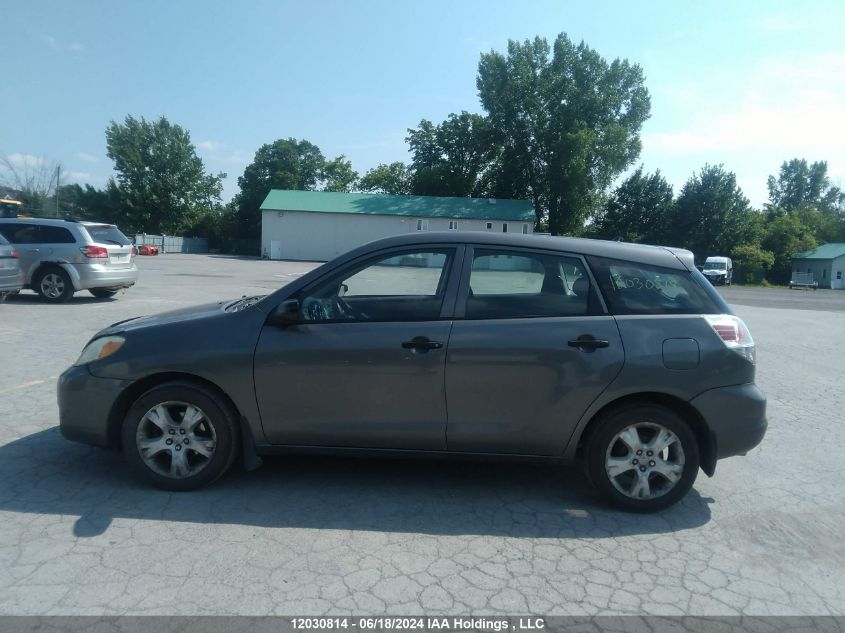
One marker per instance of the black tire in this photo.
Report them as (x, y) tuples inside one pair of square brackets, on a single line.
[(53, 285), (603, 445), (103, 293), (220, 418)]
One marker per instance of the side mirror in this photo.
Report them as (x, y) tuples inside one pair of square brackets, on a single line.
[(287, 313)]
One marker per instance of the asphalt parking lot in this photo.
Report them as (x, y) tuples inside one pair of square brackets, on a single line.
[(319, 535)]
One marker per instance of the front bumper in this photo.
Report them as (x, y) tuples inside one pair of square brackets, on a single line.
[(85, 403), (736, 416)]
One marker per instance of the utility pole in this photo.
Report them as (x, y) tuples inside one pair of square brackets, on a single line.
[(58, 176)]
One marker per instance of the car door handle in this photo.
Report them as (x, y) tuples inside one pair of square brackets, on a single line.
[(421, 344), (587, 342), (34, 250)]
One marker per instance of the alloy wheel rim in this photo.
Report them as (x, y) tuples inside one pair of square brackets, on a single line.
[(176, 439), (644, 461), (52, 285)]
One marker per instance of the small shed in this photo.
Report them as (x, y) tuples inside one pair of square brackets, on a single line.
[(826, 263), (318, 225)]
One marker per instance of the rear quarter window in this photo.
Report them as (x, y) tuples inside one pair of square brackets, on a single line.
[(632, 288)]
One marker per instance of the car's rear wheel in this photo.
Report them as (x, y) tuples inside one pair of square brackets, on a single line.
[(642, 457), (54, 285), (180, 436), (103, 293)]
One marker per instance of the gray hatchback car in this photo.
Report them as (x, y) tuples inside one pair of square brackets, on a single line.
[(59, 257), (617, 355)]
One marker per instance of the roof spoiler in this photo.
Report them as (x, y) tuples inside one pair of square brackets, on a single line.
[(684, 256)]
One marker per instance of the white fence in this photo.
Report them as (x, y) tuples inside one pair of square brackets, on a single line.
[(173, 243)]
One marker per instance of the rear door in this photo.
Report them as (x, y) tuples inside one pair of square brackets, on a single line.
[(531, 347)]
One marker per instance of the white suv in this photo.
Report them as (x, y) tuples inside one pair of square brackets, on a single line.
[(59, 257)]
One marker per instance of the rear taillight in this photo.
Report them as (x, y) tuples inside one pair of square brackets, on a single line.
[(734, 334), (95, 252), (16, 253), (134, 252)]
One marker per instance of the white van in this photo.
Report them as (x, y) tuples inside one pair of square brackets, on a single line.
[(719, 270)]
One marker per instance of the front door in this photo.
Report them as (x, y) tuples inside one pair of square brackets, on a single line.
[(532, 351), (365, 365)]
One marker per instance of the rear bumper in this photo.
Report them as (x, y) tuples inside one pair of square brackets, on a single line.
[(736, 416), (100, 276), (85, 403)]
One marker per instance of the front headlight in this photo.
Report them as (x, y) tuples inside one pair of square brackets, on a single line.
[(100, 348)]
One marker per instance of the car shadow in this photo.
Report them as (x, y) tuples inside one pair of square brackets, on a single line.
[(43, 473), (26, 298)]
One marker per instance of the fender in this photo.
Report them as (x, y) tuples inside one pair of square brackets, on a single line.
[(66, 266), (72, 273)]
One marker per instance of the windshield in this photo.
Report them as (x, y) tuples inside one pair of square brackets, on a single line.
[(715, 265), (107, 234)]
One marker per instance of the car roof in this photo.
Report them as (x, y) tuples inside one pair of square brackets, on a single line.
[(55, 221), (668, 257)]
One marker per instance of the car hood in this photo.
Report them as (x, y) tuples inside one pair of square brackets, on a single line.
[(193, 313)]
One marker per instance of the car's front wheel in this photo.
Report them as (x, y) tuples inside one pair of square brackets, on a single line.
[(642, 457), (180, 436)]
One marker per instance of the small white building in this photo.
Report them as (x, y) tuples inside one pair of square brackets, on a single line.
[(318, 225), (826, 263)]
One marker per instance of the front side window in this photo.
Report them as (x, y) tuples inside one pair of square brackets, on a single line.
[(510, 284), (20, 233), (408, 286), (632, 288)]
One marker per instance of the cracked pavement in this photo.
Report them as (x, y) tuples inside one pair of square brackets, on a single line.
[(78, 536)]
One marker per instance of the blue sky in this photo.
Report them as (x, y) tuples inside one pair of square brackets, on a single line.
[(747, 84)]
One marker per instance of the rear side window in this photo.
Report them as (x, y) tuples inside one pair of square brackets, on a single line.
[(631, 288), (54, 235), (507, 284), (107, 234)]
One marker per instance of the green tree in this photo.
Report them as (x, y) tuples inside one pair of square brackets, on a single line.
[(338, 175), (800, 184), (712, 216), (785, 236), (393, 179), (89, 203), (161, 185), (751, 261), (283, 164), (639, 210), (450, 159), (567, 122), (804, 189)]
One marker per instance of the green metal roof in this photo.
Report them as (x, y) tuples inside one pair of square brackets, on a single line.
[(825, 251), (415, 206)]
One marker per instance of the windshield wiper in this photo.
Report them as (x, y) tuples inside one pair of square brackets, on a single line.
[(244, 302)]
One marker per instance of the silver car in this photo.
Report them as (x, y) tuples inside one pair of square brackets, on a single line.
[(60, 257), (11, 279)]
